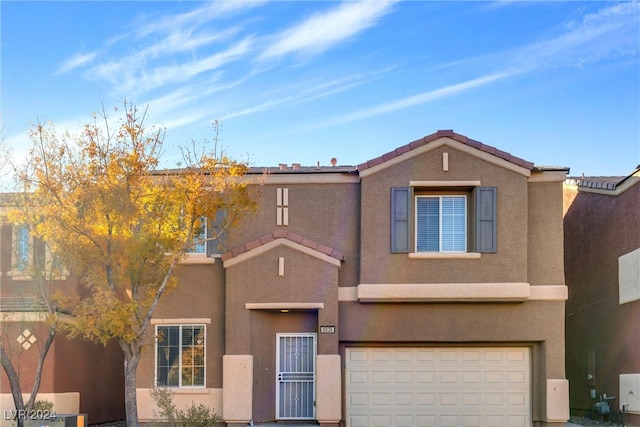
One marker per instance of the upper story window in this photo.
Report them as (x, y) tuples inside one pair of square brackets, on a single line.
[(21, 253), (208, 240), (200, 238), (441, 223), (445, 219), (22, 248), (180, 356)]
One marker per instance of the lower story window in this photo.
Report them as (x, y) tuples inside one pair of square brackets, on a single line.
[(441, 223), (180, 360)]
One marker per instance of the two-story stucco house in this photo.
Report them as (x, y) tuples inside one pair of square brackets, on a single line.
[(424, 287), (77, 375), (602, 241)]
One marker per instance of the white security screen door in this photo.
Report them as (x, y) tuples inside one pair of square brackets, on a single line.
[(295, 380)]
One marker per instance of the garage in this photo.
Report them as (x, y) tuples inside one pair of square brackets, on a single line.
[(438, 386)]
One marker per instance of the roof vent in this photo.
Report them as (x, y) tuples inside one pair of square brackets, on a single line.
[(334, 161), (295, 166), (283, 166)]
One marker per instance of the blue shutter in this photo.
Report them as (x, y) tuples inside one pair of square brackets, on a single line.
[(401, 219), (486, 219)]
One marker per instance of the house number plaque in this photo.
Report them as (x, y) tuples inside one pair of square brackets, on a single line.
[(327, 329)]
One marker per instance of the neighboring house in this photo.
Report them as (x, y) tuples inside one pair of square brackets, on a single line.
[(602, 264), (78, 377), (424, 287)]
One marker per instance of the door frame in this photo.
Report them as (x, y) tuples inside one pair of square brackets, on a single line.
[(314, 336)]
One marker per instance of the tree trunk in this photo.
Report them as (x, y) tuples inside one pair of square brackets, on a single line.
[(132, 353), (14, 382), (40, 367)]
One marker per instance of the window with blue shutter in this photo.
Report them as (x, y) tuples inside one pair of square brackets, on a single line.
[(441, 223), (444, 222)]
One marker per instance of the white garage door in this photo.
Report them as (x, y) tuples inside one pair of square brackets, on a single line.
[(444, 387)]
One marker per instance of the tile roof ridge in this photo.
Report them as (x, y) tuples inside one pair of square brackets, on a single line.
[(283, 234), (446, 133)]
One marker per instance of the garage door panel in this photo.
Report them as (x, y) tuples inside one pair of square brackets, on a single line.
[(426, 377), (403, 387), (403, 377)]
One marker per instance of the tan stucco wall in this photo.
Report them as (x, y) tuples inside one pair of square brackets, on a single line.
[(328, 388), (325, 213), (545, 264), (256, 280), (199, 295), (237, 393), (538, 324), (63, 403), (600, 227), (509, 264)]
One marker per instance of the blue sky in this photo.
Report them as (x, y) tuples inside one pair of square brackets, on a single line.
[(556, 83)]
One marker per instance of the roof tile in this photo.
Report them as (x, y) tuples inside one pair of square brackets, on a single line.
[(403, 149), (446, 133), (294, 237), (376, 161), (282, 234), (252, 244), (279, 233)]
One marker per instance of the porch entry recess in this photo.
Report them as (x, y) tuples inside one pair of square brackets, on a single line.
[(296, 374)]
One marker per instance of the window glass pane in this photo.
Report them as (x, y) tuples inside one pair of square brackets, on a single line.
[(187, 335), (453, 224), (428, 224), (22, 248), (168, 356), (199, 237)]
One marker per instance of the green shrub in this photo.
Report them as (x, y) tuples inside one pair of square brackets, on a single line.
[(43, 406), (194, 416)]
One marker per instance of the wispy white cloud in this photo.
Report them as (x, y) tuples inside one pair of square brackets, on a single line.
[(169, 48), (610, 32), (320, 90), (136, 74), (418, 99), (76, 61), (321, 31), (193, 19)]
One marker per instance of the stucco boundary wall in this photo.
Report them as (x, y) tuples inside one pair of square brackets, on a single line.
[(63, 403)]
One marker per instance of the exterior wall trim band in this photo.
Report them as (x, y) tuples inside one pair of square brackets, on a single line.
[(453, 292)]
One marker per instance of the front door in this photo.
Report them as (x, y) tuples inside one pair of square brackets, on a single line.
[(295, 379)]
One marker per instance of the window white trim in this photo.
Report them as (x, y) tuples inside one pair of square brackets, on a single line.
[(445, 183), (444, 255), (179, 366)]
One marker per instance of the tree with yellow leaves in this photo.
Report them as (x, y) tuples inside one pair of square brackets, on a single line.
[(121, 222)]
